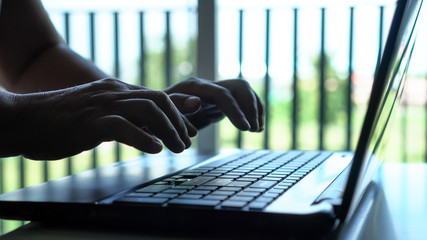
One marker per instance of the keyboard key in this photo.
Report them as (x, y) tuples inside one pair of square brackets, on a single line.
[(136, 194), (197, 181), (144, 201), (230, 176), (270, 195), (239, 184), (219, 162), (248, 194), (199, 192), (283, 188), (300, 175), (275, 190), (218, 182), (191, 196), (219, 192), (194, 202), (175, 191), (247, 179), (293, 178), (289, 180), (213, 175), (209, 188), (271, 179), (153, 189), (216, 197), (264, 199), (263, 184), (241, 199), (183, 187), (161, 183), (285, 183), (181, 181), (165, 195), (249, 189), (257, 206), (233, 189), (232, 205), (190, 174)]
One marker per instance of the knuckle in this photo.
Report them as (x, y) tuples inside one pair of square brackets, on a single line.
[(111, 84), (223, 92), (193, 82), (160, 96), (242, 83), (108, 81), (149, 105)]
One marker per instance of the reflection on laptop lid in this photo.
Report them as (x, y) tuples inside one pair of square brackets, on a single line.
[(251, 190), (385, 97)]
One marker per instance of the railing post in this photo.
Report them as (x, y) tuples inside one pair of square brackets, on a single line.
[(207, 65)]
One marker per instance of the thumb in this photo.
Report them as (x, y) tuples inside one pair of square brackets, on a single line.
[(185, 103)]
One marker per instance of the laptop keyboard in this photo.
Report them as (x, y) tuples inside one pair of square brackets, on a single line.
[(246, 181)]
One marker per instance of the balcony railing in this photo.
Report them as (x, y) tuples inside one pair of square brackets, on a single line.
[(313, 98)]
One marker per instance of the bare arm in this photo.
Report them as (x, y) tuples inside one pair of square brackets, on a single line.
[(33, 57)]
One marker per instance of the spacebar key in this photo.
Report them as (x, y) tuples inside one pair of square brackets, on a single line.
[(193, 202)]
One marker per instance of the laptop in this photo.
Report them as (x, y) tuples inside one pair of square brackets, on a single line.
[(295, 193)]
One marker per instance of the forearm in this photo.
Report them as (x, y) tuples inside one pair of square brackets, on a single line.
[(33, 57), (56, 68)]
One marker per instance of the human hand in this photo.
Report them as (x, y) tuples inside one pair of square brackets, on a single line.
[(57, 124), (204, 102)]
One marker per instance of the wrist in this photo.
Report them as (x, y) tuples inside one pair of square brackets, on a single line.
[(9, 125)]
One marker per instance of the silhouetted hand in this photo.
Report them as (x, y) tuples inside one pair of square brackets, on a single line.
[(57, 124), (204, 102)]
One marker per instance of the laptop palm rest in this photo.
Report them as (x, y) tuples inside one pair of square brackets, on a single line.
[(300, 198)]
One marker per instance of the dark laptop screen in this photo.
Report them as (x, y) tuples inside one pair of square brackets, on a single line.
[(386, 93)]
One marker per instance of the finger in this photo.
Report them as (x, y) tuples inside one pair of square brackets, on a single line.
[(261, 114), (164, 103), (185, 103), (145, 112), (192, 130), (175, 117), (221, 97), (206, 115), (248, 103), (113, 127)]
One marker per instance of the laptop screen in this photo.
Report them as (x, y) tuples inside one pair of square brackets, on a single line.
[(385, 97)]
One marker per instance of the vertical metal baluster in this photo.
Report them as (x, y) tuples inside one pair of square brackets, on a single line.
[(349, 81), (295, 83), (21, 176), (141, 49), (21, 172), (322, 81), (404, 132), (239, 133), (116, 67), (207, 64), (1, 176), (168, 51), (192, 20), (67, 41), (93, 58), (267, 80), (142, 81)]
